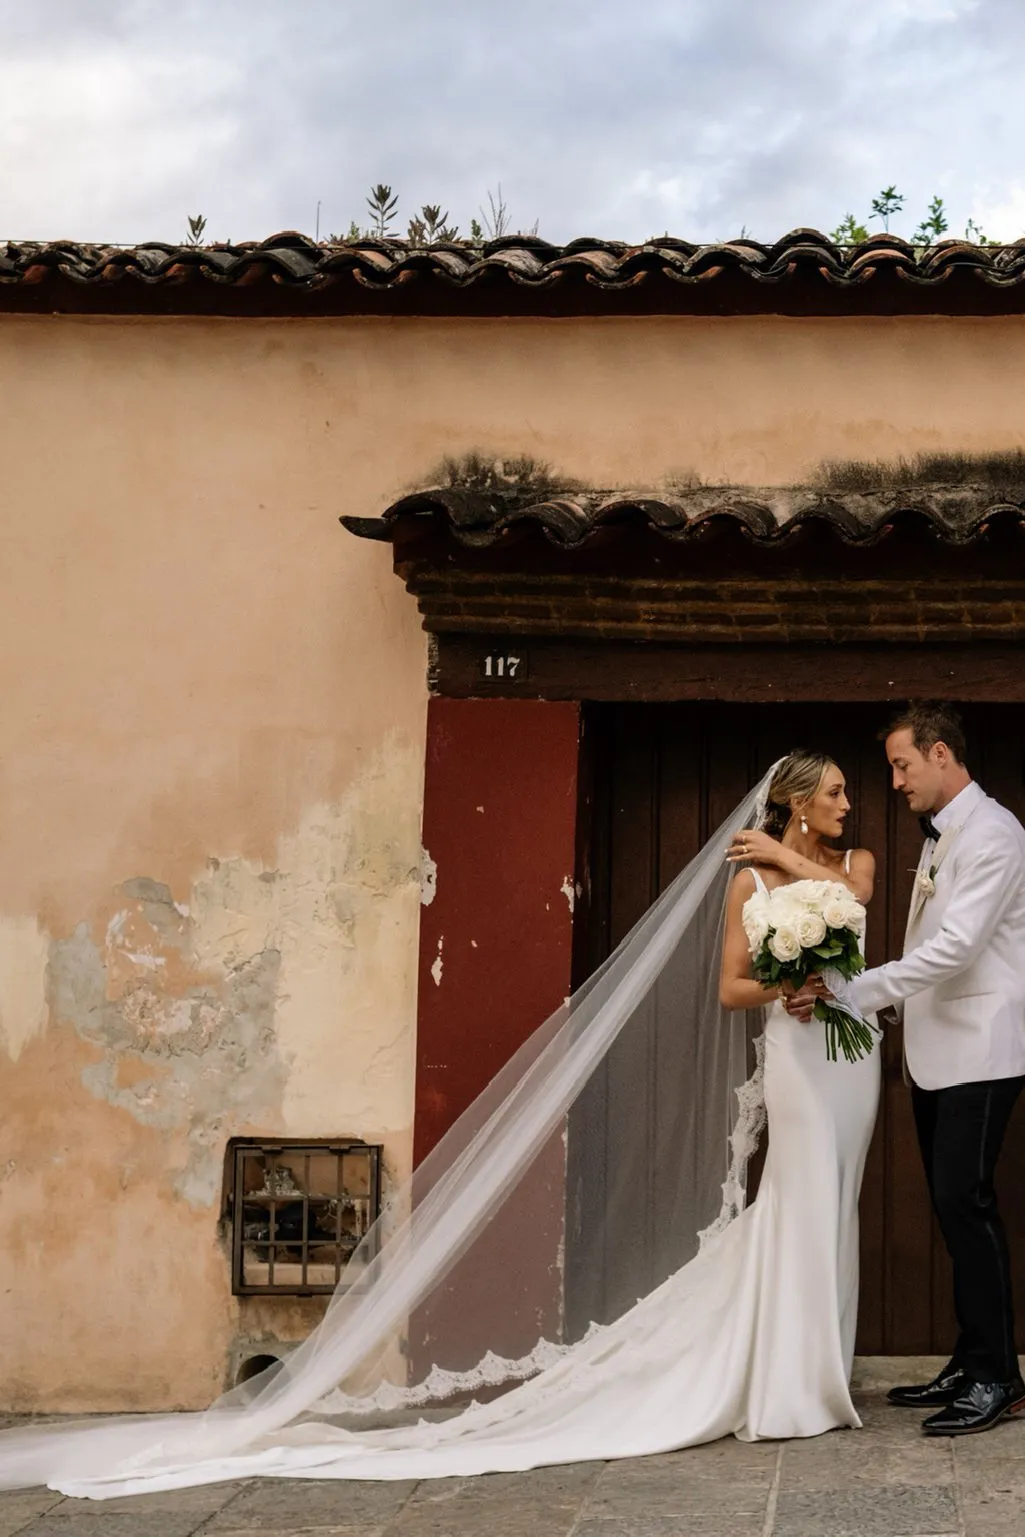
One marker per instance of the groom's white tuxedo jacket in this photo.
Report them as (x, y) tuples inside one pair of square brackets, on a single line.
[(962, 977)]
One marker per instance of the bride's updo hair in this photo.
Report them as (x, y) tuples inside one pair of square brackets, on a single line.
[(797, 778)]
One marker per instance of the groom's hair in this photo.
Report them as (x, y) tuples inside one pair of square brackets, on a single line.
[(930, 721)]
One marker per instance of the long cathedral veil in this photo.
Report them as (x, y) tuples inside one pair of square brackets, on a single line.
[(591, 1168)]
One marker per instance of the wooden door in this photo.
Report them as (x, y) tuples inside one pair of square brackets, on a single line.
[(661, 779)]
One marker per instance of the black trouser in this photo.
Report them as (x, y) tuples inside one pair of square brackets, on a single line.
[(960, 1132)]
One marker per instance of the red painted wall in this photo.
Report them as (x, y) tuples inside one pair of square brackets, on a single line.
[(500, 810), (500, 806)]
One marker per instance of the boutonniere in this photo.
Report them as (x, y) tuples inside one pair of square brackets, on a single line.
[(925, 881)]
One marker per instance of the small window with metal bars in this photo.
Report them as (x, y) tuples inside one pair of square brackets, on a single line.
[(298, 1210)]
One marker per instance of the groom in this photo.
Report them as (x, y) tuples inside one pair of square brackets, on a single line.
[(961, 983)]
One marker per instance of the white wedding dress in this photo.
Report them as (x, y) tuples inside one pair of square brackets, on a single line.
[(754, 1337)]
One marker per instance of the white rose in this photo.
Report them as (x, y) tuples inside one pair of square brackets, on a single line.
[(755, 918), (811, 930), (785, 907), (855, 918), (836, 913), (784, 944)]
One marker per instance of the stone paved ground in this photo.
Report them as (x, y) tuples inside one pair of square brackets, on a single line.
[(883, 1481)]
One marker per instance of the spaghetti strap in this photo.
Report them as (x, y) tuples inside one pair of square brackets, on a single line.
[(847, 862), (759, 883)]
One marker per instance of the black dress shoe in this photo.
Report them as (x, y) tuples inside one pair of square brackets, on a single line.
[(977, 1407), (943, 1389)]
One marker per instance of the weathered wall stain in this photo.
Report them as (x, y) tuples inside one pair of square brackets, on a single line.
[(1002, 469), (202, 1058)]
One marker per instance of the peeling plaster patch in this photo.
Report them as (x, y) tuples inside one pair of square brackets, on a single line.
[(24, 953), (200, 1061), (428, 878), (569, 892), (437, 968), (342, 911)]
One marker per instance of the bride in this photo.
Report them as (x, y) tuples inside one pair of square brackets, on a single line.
[(586, 1267)]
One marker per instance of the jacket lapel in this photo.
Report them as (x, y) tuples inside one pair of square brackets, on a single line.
[(940, 851), (917, 897)]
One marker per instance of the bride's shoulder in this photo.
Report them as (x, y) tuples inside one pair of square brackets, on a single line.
[(859, 873), (743, 887)]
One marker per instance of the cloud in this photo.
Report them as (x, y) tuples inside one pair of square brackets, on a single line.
[(120, 117)]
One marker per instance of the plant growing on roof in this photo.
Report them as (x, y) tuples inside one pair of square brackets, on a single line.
[(519, 477), (430, 226), (849, 231), (197, 225), (382, 207), (496, 219), (973, 233), (889, 202), (932, 226)]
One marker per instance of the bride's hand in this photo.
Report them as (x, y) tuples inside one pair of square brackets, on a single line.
[(750, 843), (800, 1004)]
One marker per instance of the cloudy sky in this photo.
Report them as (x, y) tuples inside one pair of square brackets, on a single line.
[(120, 117)]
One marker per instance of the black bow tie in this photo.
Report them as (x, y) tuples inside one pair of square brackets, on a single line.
[(929, 828)]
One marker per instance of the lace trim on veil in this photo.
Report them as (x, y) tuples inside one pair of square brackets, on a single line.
[(743, 1146), (495, 1370), (491, 1371)]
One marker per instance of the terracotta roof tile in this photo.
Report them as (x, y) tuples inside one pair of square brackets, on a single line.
[(954, 515), (298, 262)]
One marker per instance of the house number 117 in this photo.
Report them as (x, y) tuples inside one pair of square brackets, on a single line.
[(504, 666)]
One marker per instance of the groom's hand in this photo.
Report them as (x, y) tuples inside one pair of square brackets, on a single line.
[(801, 1005)]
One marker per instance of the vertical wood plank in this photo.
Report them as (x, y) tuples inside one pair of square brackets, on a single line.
[(868, 790), (634, 850)]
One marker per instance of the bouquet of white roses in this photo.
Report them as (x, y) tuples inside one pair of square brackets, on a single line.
[(811, 928)]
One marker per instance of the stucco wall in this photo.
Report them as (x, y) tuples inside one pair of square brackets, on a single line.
[(212, 740), (213, 710)]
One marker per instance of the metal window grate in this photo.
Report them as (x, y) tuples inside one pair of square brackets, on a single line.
[(298, 1210)]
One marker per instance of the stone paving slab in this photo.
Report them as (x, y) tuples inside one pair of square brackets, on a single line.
[(205, 1500), (274, 1504), (18, 1509), (719, 1462), (671, 1526), (842, 1460), (893, 1511), (97, 1522)]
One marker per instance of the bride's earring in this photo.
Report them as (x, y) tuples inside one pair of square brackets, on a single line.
[(804, 825)]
